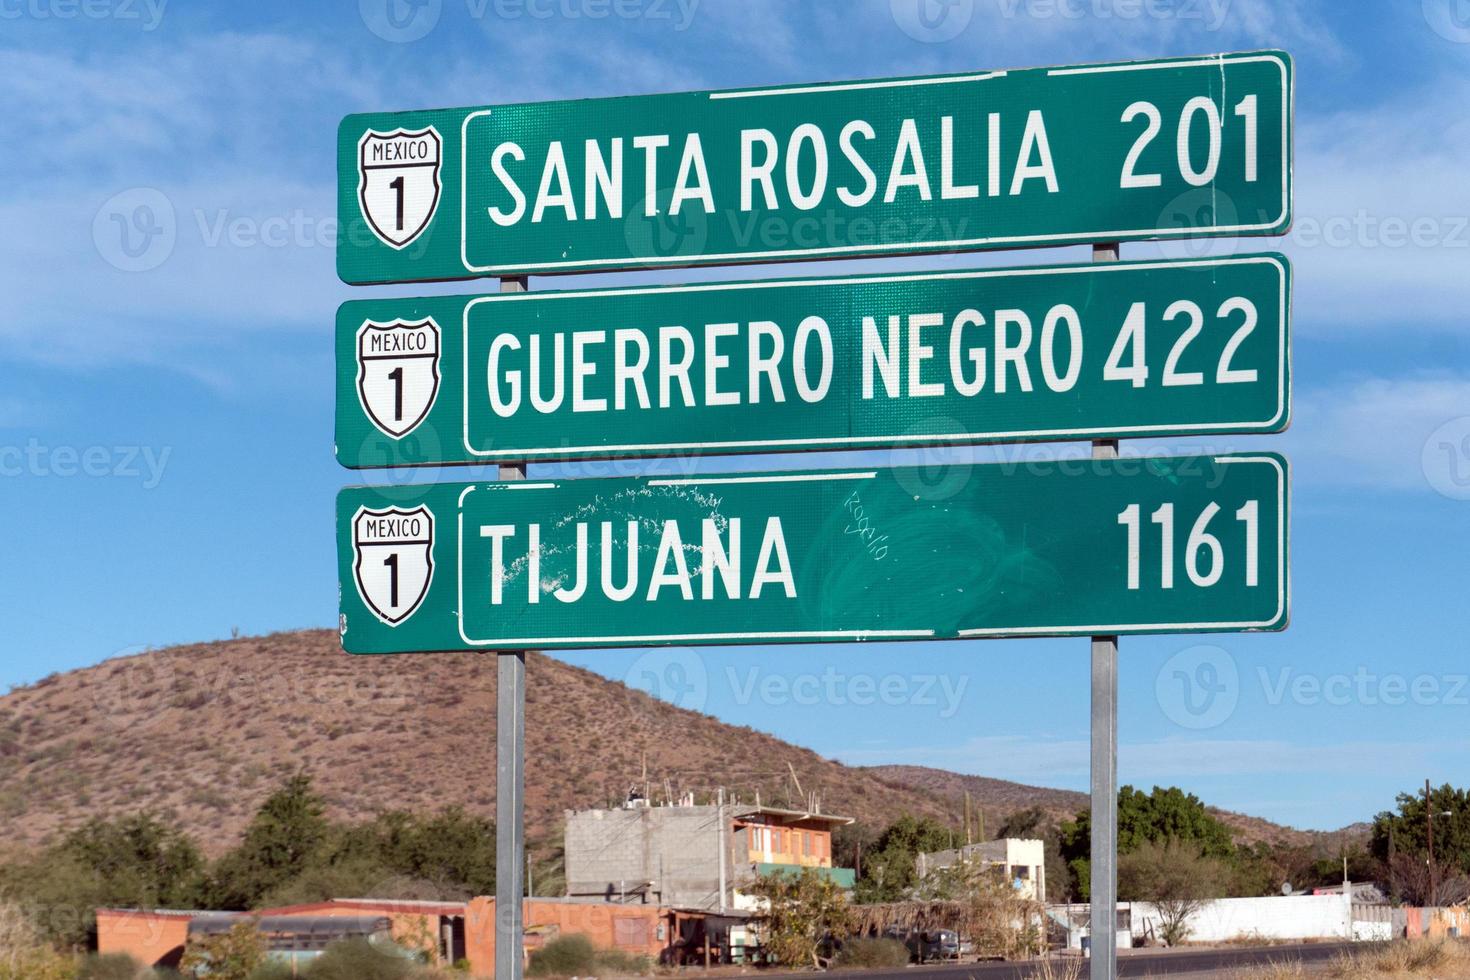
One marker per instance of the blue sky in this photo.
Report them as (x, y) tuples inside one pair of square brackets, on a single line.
[(166, 422)]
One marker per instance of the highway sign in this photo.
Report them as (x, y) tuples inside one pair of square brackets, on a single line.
[(1171, 148), (1080, 547), (1058, 352)]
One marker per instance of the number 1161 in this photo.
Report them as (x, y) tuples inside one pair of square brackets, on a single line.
[(1204, 555)]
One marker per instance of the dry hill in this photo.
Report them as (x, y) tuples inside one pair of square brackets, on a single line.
[(203, 732)]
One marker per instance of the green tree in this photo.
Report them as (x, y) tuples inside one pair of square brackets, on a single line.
[(24, 952), (232, 955), (359, 959), (852, 844), (803, 910), (447, 855), (1177, 877), (1029, 823), (1155, 817), (1407, 831), (140, 861), (284, 838), (133, 861), (889, 866), (112, 966), (452, 849)]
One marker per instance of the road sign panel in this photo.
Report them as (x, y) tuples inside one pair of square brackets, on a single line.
[(1058, 352), (1080, 547), (1177, 147)]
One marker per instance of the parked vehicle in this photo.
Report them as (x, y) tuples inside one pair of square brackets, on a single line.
[(928, 945), (937, 944)]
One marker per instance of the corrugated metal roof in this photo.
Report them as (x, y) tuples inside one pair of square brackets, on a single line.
[(401, 906), (166, 913)]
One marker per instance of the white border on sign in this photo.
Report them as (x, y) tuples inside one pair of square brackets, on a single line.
[(1283, 400), (1055, 630), (905, 248)]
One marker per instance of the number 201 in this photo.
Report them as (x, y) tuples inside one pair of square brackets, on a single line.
[(1153, 122)]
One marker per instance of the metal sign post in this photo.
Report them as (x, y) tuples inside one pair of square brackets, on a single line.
[(1104, 863), (510, 783)]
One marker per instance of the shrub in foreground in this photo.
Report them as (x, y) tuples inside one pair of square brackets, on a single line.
[(112, 966), (273, 970), (358, 959), (574, 955), (859, 953), (565, 956)]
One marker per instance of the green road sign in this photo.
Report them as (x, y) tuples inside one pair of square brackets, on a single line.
[(1058, 352), (1177, 147), (1076, 547)]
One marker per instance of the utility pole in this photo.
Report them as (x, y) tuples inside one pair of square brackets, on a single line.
[(1429, 819), (1429, 815), (720, 843)]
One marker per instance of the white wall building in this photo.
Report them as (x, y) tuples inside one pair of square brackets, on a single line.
[(1024, 862), (1293, 917)]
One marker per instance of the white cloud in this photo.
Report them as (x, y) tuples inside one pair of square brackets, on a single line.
[(1022, 33), (251, 255), (166, 111), (1373, 433), (1381, 236), (1379, 433), (236, 127)]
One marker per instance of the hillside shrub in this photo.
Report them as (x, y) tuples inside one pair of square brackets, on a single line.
[(565, 956), (574, 955), (358, 959), (24, 955), (112, 966), (233, 955), (619, 963), (38, 963), (273, 970), (866, 953)]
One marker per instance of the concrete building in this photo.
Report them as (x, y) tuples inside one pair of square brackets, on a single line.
[(1023, 863), (693, 857)]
